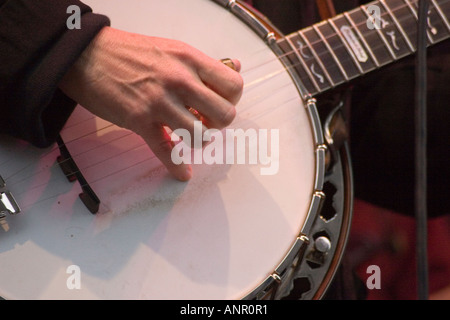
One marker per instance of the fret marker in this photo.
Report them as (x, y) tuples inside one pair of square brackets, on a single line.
[(432, 29), (318, 75), (393, 39), (354, 43), (301, 46)]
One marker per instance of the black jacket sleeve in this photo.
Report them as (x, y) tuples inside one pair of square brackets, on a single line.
[(36, 50)]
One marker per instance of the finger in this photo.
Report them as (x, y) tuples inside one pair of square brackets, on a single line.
[(215, 111), (161, 144), (223, 79), (232, 63), (190, 120)]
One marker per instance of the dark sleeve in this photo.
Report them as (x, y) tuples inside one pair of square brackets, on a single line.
[(36, 50)]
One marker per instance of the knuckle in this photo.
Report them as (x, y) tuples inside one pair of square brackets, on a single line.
[(138, 121), (179, 81), (164, 146), (145, 112), (236, 88), (228, 116)]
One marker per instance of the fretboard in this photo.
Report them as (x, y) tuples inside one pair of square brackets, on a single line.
[(351, 44)]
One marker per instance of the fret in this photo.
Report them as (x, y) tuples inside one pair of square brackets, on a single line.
[(302, 52), (344, 47), (323, 55), (332, 53), (415, 14), (291, 53), (445, 7), (405, 18), (344, 42), (316, 67), (342, 55), (363, 39), (444, 18), (389, 46), (309, 60), (385, 8), (390, 35), (354, 42), (437, 23)]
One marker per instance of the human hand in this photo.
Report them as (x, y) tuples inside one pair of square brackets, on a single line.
[(145, 83)]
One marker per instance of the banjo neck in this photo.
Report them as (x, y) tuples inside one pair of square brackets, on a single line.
[(364, 39)]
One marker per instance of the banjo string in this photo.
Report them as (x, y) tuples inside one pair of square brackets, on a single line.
[(247, 86)]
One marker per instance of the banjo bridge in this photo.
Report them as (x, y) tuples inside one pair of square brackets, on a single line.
[(73, 173)]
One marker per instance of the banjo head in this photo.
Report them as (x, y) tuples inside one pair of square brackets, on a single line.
[(232, 232)]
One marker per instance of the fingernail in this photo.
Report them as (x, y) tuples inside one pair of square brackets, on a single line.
[(237, 65), (187, 174)]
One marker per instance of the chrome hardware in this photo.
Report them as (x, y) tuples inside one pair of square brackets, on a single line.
[(336, 133), (322, 244), (8, 204), (274, 285)]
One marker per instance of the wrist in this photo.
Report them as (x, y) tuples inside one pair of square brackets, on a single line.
[(80, 73)]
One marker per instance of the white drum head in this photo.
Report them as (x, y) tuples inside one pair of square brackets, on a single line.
[(217, 236)]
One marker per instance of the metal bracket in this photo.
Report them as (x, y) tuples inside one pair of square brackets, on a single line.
[(8, 204), (336, 133)]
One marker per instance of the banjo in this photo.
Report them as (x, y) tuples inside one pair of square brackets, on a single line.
[(97, 217)]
